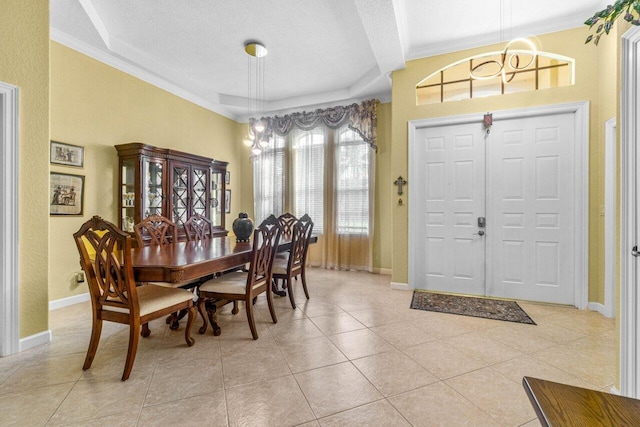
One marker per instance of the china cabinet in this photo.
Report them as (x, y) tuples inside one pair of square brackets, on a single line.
[(170, 183)]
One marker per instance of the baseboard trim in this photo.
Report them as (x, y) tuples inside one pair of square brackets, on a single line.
[(400, 286), (65, 302), (35, 340), (385, 271), (600, 308)]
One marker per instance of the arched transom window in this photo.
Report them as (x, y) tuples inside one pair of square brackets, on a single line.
[(495, 73)]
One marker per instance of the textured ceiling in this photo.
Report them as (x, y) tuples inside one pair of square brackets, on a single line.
[(329, 52)]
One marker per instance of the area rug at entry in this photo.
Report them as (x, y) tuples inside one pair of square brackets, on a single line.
[(488, 308)]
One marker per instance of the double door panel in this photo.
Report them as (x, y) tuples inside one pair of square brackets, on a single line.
[(520, 177), (454, 197), (189, 191)]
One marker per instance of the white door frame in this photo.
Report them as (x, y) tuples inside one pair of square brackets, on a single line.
[(610, 162), (9, 309), (581, 189), (629, 295)]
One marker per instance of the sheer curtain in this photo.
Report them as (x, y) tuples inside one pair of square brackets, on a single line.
[(328, 174)]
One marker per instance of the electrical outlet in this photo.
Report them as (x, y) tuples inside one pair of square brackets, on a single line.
[(80, 277)]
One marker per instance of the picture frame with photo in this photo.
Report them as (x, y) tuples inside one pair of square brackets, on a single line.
[(66, 194), (227, 201), (66, 154)]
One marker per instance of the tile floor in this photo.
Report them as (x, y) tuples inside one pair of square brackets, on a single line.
[(354, 354)]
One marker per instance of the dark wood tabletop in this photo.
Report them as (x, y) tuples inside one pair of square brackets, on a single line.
[(188, 260), (182, 261), (564, 405)]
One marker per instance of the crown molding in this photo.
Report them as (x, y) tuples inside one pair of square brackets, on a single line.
[(144, 75), (228, 103), (545, 27)]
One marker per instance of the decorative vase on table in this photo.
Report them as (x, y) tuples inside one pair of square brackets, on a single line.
[(242, 227)]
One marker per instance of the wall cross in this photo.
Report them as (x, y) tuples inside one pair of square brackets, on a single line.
[(400, 183)]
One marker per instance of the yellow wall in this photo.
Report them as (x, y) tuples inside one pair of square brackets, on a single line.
[(589, 76), (97, 106), (24, 62), (385, 194)]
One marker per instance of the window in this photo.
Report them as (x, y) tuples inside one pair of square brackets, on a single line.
[(319, 172), (308, 176), (454, 82), (352, 184)]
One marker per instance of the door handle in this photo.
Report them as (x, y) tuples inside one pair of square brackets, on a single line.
[(481, 233), (635, 252)]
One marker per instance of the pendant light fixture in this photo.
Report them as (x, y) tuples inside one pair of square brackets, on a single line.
[(519, 54), (257, 137)]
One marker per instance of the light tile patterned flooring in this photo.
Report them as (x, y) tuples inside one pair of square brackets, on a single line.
[(354, 354)]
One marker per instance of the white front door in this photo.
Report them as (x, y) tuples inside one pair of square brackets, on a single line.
[(530, 252), (521, 178), (450, 253)]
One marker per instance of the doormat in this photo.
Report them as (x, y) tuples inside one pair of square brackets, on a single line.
[(488, 308)]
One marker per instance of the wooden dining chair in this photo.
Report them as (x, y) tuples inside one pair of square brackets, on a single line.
[(105, 257), (294, 265), (157, 230), (246, 286), (198, 227), (287, 221)]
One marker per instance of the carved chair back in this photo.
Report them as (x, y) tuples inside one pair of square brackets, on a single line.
[(287, 221), (198, 227), (265, 244), (105, 257), (299, 241), (307, 223), (155, 230)]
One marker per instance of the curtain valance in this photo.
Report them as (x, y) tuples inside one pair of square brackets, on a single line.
[(361, 118)]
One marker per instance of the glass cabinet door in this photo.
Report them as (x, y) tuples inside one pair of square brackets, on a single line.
[(217, 198), (179, 193), (128, 192), (199, 196), (152, 171)]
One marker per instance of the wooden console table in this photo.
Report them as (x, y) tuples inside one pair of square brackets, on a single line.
[(564, 405)]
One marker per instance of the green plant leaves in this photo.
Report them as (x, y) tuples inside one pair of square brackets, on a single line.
[(607, 17)]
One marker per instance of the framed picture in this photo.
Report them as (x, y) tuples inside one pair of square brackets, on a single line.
[(227, 201), (66, 194), (66, 154), (227, 177)]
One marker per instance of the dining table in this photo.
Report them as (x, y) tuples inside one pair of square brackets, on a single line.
[(191, 261), (565, 405), (188, 260)]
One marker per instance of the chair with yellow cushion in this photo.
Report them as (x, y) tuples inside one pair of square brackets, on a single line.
[(114, 294), (285, 269), (246, 286)]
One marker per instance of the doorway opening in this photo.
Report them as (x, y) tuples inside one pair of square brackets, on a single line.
[(9, 314)]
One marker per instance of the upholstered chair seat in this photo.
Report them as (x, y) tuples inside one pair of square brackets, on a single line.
[(280, 265)]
